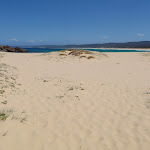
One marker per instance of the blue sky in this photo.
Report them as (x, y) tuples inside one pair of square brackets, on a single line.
[(37, 22)]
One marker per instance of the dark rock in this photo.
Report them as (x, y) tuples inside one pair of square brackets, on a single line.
[(10, 49)]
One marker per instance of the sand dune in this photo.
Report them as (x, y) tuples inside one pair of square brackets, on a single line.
[(64, 102)]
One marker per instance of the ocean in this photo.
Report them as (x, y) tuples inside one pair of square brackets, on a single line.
[(46, 50)]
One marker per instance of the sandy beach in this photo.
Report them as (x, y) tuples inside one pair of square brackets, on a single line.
[(113, 48), (56, 101)]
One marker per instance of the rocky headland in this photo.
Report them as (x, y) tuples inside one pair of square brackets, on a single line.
[(10, 49)]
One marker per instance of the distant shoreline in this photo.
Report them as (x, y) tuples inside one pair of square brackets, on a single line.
[(140, 45)]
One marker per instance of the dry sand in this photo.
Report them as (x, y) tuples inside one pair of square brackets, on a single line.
[(59, 102), (113, 48)]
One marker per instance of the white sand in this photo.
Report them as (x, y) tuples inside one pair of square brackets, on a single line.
[(139, 49), (76, 104)]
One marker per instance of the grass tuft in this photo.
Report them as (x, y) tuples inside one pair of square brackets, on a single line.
[(3, 116), (4, 102), (90, 57)]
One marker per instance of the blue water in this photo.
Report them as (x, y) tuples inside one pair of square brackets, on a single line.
[(46, 50), (42, 50)]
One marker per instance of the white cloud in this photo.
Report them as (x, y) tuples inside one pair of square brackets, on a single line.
[(140, 34), (13, 39), (31, 41)]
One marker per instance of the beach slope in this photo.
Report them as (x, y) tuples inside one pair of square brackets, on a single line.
[(87, 101)]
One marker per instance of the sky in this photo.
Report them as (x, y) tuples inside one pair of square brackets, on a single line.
[(61, 22)]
